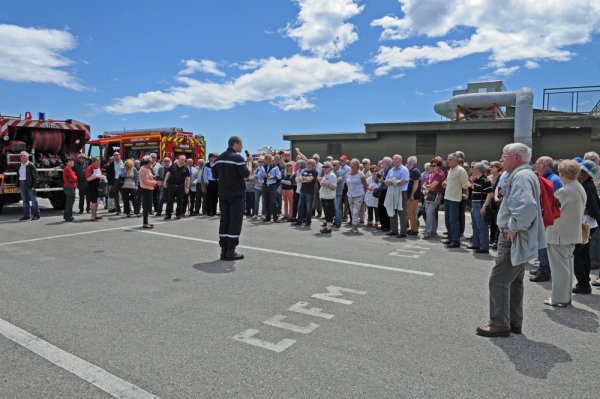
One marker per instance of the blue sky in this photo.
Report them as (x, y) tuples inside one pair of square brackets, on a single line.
[(264, 68)]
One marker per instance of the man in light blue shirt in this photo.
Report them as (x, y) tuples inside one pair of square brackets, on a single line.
[(398, 176), (271, 176)]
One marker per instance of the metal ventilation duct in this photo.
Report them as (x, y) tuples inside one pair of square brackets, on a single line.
[(521, 99)]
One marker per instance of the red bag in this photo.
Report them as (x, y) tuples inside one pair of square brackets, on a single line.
[(549, 203)]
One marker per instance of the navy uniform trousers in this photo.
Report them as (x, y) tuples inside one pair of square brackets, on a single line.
[(232, 216)]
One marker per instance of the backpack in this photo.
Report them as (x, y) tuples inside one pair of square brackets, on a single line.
[(549, 203)]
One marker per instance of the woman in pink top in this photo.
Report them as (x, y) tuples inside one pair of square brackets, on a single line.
[(147, 184)]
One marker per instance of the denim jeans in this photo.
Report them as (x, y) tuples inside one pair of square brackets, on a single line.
[(257, 194), (431, 219), (481, 234), (338, 208), (305, 208), (28, 195), (452, 209), (544, 260)]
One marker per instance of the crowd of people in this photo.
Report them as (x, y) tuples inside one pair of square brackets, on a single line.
[(385, 195)]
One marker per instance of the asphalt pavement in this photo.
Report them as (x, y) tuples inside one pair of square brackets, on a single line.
[(109, 305)]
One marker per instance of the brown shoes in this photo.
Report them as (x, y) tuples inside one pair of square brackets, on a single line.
[(492, 331)]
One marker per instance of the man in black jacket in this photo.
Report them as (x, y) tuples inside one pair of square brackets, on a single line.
[(231, 170), (80, 168), (28, 181)]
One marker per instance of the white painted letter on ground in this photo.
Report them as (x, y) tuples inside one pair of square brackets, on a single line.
[(335, 292), (300, 307), (276, 321), (248, 338)]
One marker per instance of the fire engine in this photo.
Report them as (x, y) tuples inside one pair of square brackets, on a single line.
[(135, 144), (49, 143)]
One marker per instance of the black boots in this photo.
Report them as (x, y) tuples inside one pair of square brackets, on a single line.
[(229, 254)]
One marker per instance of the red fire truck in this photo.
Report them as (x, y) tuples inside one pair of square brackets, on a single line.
[(49, 143), (135, 144)]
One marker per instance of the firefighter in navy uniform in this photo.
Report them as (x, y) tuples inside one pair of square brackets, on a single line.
[(231, 170)]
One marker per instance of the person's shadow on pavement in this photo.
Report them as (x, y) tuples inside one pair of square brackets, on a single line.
[(215, 266), (575, 318), (532, 359)]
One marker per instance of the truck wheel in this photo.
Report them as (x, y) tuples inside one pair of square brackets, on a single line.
[(57, 200)]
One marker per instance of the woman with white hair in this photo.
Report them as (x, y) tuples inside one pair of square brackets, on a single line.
[(357, 186)]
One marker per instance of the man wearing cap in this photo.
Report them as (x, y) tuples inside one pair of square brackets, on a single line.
[(212, 186), (82, 187), (231, 170)]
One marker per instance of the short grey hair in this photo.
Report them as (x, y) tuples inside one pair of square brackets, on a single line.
[(460, 154), (590, 155), (335, 162), (412, 160), (519, 149), (427, 165), (481, 167), (454, 156), (387, 159), (366, 160)]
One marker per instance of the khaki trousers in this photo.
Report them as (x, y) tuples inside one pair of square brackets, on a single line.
[(411, 210), (561, 268)]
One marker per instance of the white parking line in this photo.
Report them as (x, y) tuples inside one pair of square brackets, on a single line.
[(74, 234), (101, 378), (298, 255)]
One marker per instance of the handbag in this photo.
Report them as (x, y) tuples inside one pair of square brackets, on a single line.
[(431, 197), (377, 192), (585, 230)]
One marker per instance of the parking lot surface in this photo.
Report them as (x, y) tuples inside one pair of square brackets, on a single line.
[(107, 309)]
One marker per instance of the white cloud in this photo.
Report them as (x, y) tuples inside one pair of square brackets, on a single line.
[(293, 104), (34, 55), (520, 30), (184, 116), (321, 27), (276, 79), (532, 65), (505, 71), (206, 66)]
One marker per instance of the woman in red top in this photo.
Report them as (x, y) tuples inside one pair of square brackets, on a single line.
[(93, 175), (147, 184), (70, 182)]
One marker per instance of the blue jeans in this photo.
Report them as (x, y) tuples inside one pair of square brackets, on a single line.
[(257, 194), (338, 208), (305, 208), (28, 195), (481, 234), (544, 261), (452, 209)]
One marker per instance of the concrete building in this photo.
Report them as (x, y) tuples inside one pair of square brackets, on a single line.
[(557, 134)]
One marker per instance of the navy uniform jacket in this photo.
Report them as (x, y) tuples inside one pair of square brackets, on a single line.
[(231, 170)]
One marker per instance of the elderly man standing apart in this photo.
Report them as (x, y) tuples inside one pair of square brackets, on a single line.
[(565, 233), (456, 185), (396, 196), (521, 235)]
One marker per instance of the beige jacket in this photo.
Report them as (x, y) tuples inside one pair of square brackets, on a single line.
[(567, 228)]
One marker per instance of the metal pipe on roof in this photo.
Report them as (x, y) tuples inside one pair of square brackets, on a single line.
[(522, 99)]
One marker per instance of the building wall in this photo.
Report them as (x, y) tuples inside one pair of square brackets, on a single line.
[(564, 138)]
